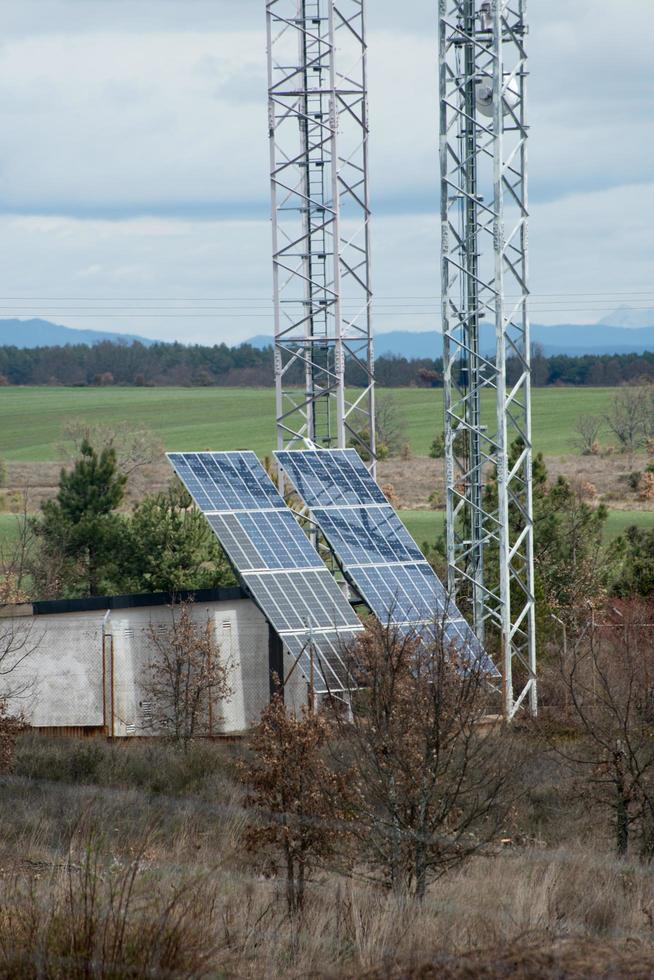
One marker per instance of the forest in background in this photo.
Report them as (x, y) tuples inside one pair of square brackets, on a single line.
[(160, 364)]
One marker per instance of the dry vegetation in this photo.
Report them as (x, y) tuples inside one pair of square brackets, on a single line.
[(415, 481), (130, 857)]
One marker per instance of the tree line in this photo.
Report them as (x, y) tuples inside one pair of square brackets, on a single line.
[(161, 364)]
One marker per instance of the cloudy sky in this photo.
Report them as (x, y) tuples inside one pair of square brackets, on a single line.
[(133, 162)]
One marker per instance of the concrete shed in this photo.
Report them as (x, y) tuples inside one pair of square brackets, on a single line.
[(81, 663)]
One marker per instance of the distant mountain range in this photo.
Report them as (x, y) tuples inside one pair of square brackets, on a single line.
[(42, 333), (606, 337), (626, 316), (573, 339)]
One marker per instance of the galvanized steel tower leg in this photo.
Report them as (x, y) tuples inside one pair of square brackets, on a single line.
[(483, 160), (318, 126)]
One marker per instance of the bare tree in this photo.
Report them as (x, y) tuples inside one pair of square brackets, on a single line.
[(390, 429), (587, 428), (390, 426), (15, 557), (628, 418), (186, 677), (136, 448), (19, 640), (293, 796), (607, 678), (649, 413), (429, 784)]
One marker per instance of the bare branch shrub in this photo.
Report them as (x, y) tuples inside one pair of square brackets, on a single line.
[(293, 795), (136, 448), (11, 726), (587, 429), (19, 640), (390, 425), (95, 918), (628, 418), (429, 784), (186, 678), (390, 430), (608, 684), (15, 557)]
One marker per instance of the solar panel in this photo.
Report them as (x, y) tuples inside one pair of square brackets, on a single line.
[(377, 553), (367, 535), (276, 561)]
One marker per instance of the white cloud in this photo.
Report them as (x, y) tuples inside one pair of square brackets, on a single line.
[(147, 119)]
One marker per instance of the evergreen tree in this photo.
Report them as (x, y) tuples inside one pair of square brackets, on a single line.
[(571, 566), (80, 529), (168, 546), (636, 572)]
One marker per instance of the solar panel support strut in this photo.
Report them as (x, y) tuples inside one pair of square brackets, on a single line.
[(318, 130), (484, 272)]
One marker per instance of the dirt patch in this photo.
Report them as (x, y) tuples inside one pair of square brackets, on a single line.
[(413, 480), (608, 474), (41, 481)]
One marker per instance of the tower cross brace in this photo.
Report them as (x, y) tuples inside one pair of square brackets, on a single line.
[(484, 272), (318, 128)]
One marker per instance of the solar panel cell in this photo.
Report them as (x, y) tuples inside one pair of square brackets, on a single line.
[(226, 482), (368, 535), (377, 553), (301, 600), (337, 481), (278, 564)]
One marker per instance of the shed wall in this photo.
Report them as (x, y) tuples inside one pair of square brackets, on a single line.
[(88, 668)]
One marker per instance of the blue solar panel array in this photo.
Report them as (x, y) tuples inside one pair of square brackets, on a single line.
[(377, 553), (226, 482), (280, 568)]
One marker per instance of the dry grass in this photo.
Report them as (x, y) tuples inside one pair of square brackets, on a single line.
[(42, 480), (413, 480), (79, 819)]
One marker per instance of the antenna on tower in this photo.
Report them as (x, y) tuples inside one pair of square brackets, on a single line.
[(318, 125), (488, 450)]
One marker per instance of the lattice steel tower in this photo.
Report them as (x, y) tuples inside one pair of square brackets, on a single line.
[(318, 119), (483, 159)]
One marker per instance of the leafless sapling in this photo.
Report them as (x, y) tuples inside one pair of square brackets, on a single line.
[(429, 784), (186, 676), (628, 417), (587, 429), (608, 680), (294, 798)]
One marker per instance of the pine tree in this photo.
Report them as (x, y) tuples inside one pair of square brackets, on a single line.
[(80, 529)]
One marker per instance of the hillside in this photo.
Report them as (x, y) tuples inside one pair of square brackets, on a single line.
[(572, 339), (43, 333)]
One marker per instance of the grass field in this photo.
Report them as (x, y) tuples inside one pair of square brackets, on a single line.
[(237, 418), (8, 529), (427, 525)]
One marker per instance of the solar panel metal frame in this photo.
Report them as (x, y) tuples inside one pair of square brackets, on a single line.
[(337, 488), (279, 566)]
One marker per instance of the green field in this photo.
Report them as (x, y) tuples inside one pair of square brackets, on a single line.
[(427, 525), (8, 529), (32, 419)]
